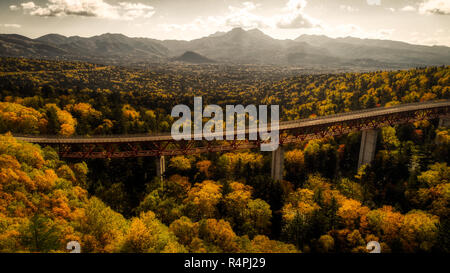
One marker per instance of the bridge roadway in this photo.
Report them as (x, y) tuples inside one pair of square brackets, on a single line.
[(390, 114)]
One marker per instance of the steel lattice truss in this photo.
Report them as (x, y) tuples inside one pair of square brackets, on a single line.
[(290, 132)]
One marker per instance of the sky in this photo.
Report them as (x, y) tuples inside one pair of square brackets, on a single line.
[(424, 22)]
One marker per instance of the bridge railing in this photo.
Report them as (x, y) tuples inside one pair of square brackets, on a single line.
[(368, 110)]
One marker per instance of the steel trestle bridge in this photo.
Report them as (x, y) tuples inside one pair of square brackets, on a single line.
[(150, 145), (123, 146)]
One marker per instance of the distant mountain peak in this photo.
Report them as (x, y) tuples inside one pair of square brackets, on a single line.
[(113, 36), (255, 30), (193, 57), (53, 35), (254, 33), (237, 29), (313, 35), (217, 34), (249, 31), (314, 39), (53, 38)]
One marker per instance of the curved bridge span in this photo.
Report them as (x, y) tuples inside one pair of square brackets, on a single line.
[(302, 129), (125, 146)]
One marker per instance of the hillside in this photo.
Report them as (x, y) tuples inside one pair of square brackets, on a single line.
[(234, 47)]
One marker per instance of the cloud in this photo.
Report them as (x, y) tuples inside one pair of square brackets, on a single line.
[(26, 6), (295, 16), (438, 37), (408, 8), (384, 33), (294, 21), (352, 30), (14, 7), (295, 5), (292, 16), (195, 25), (441, 7), (348, 8), (135, 10), (374, 2), (10, 25), (88, 8), (348, 29), (243, 17)]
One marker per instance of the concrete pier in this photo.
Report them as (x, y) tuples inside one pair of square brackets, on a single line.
[(444, 122), (278, 164), (368, 147), (160, 167)]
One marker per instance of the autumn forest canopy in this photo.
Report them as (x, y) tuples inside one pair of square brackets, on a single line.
[(218, 202)]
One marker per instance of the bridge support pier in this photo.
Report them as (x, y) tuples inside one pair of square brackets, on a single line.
[(444, 122), (160, 167), (368, 145), (277, 164)]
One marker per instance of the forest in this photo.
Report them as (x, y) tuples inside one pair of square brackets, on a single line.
[(218, 202)]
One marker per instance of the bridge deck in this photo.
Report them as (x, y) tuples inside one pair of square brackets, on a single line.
[(283, 126)]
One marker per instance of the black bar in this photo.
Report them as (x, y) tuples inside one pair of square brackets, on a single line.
[(225, 262)]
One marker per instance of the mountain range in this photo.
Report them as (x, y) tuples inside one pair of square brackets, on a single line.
[(237, 46)]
